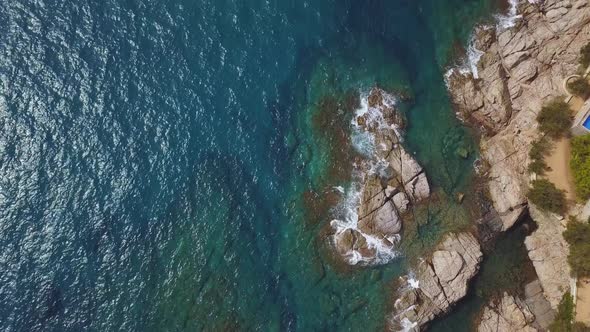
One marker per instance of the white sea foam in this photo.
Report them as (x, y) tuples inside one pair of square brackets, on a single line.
[(473, 56), (509, 20), (346, 211), (407, 325), (363, 142), (415, 284), (469, 64), (408, 284), (373, 116), (339, 189)]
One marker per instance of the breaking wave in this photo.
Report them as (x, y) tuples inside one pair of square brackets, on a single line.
[(509, 19), (346, 211)]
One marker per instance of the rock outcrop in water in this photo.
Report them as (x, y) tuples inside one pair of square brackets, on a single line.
[(520, 68), (440, 282), (506, 315), (388, 182)]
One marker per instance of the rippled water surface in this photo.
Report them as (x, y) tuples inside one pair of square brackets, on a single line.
[(157, 157)]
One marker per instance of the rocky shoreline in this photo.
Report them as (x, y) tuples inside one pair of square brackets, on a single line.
[(518, 70), (388, 185), (441, 280), (519, 67)]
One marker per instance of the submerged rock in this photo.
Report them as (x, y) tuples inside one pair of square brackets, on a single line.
[(389, 182), (507, 315), (439, 283)]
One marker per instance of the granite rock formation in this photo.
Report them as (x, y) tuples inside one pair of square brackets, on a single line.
[(548, 251), (389, 182), (538, 305), (439, 283), (506, 315), (520, 68)]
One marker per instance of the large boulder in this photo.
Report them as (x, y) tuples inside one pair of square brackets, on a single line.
[(439, 282), (548, 251), (509, 314)]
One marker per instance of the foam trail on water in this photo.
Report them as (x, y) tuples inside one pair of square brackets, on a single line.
[(469, 64), (408, 325), (509, 20), (409, 283), (473, 57)]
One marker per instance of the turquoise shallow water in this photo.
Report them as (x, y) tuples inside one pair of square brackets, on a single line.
[(162, 164)]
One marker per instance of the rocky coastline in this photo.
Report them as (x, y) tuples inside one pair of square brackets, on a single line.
[(519, 68), (388, 185), (440, 281)]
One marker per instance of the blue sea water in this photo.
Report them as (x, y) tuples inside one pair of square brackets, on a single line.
[(155, 156)]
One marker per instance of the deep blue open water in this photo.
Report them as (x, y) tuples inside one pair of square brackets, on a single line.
[(157, 157)]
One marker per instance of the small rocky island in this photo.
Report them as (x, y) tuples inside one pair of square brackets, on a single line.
[(388, 182)]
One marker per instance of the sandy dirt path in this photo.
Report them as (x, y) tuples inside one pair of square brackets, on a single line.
[(559, 173), (583, 301)]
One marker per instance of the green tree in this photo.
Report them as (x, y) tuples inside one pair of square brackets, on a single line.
[(545, 195), (555, 118), (539, 149), (565, 315), (577, 235), (585, 56), (580, 165), (579, 87)]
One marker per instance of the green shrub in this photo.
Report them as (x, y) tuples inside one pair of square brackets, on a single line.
[(546, 196), (539, 149), (565, 315), (580, 165), (579, 87), (555, 118), (577, 234), (585, 56)]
